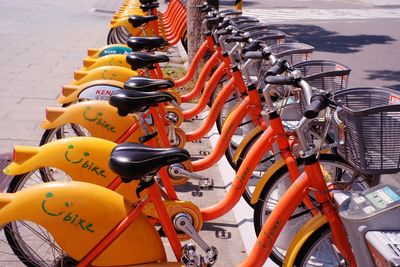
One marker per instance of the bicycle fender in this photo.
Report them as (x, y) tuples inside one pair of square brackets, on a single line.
[(123, 22), (116, 73), (107, 60), (98, 117), (79, 215), (94, 90), (83, 158), (265, 178), (256, 131), (302, 235), (94, 53)]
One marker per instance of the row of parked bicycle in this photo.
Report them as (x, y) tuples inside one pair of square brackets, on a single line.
[(308, 153)]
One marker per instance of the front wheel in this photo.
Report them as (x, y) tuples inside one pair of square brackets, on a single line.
[(334, 170), (318, 250)]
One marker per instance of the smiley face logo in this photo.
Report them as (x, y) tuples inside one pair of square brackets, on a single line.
[(109, 76), (91, 118), (49, 195), (74, 161)]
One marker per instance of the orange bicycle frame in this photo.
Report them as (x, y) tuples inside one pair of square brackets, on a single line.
[(297, 192)]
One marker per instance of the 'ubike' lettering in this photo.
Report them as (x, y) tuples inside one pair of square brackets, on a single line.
[(85, 164), (100, 122), (71, 218)]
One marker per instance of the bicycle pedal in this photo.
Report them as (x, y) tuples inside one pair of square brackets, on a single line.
[(206, 184)]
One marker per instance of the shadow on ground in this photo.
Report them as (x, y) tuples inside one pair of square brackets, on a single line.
[(385, 75), (330, 41), (232, 3)]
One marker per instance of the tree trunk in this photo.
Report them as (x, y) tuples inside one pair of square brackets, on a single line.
[(195, 31)]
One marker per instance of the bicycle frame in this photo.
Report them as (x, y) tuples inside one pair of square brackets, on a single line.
[(312, 178)]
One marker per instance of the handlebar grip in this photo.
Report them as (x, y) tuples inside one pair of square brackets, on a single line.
[(280, 80), (253, 46), (278, 68), (253, 55), (318, 103), (230, 12), (222, 32), (237, 38), (225, 23), (206, 9), (211, 22)]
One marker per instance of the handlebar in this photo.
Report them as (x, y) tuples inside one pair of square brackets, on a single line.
[(236, 38), (318, 102), (280, 66)]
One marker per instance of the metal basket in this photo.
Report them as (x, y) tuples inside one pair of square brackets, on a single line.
[(293, 52), (327, 75), (372, 129), (269, 37)]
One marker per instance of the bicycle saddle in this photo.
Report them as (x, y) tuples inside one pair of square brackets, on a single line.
[(145, 84), (139, 60), (146, 43), (137, 21), (132, 161), (134, 101)]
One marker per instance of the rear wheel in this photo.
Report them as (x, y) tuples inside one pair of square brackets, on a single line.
[(30, 242)]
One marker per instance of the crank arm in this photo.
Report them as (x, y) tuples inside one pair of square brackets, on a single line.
[(183, 222), (178, 172)]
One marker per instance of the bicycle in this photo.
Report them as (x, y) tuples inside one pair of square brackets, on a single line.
[(244, 173), (360, 110)]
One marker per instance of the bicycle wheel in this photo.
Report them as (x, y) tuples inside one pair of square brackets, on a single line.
[(265, 163), (30, 242), (67, 130), (111, 36), (334, 168), (318, 250)]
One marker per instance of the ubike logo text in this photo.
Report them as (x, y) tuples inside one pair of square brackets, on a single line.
[(84, 162), (98, 120), (65, 216), (268, 238)]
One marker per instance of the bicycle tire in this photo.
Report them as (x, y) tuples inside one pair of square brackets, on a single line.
[(317, 245), (33, 252), (66, 130), (278, 184), (262, 167), (110, 37)]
